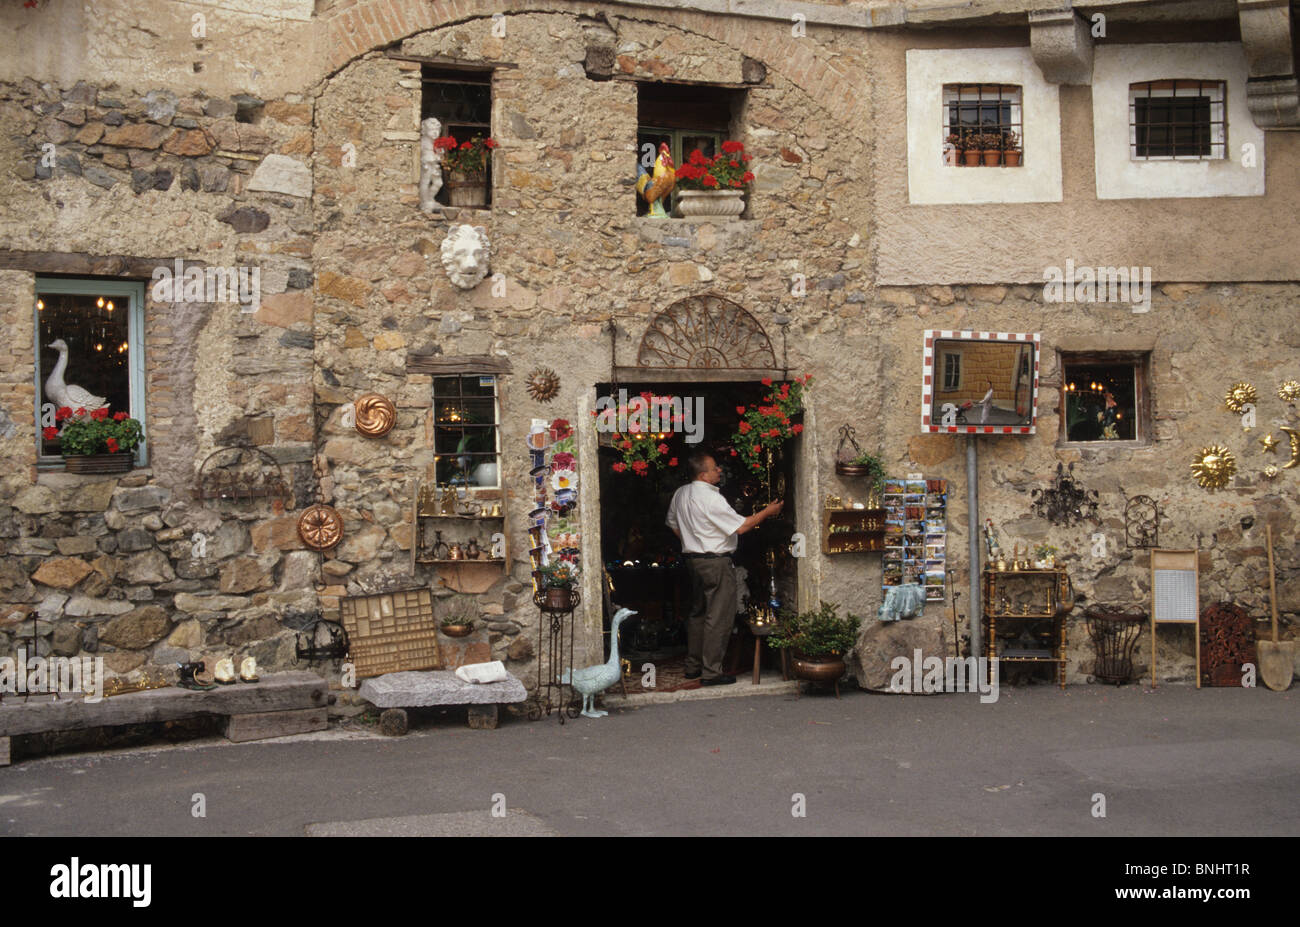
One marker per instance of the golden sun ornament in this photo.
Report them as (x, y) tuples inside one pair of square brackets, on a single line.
[(543, 384), (1289, 391), (1239, 395), (1214, 467)]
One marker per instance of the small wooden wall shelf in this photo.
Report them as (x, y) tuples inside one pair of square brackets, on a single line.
[(846, 531), (471, 576)]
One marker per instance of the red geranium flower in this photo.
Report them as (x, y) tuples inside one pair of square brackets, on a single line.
[(740, 410), (709, 180), (663, 449), (112, 445), (619, 467), (797, 429), (672, 462), (744, 428), (733, 452), (50, 432), (627, 445), (61, 413), (99, 414), (732, 147), (489, 142), (120, 416), (766, 381), (748, 176), (80, 411)]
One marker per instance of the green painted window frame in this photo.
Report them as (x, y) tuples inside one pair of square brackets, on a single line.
[(679, 156), (133, 292)]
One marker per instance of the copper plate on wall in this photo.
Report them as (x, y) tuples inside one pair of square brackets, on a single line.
[(376, 415), (320, 526)]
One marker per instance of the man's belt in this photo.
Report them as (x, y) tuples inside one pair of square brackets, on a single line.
[(703, 556)]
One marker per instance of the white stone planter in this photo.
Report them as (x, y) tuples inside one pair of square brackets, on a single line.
[(709, 202)]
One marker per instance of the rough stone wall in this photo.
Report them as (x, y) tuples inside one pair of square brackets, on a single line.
[(135, 568), (352, 287)]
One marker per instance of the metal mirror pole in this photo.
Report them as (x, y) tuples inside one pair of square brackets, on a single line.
[(973, 522)]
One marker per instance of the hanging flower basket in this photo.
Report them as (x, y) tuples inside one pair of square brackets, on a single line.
[(98, 463)]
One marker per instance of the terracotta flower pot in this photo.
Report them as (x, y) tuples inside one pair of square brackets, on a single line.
[(98, 463), (709, 202), (1012, 158), (557, 600), (971, 157), (992, 157)]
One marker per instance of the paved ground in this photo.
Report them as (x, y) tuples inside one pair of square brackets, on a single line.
[(1174, 761)]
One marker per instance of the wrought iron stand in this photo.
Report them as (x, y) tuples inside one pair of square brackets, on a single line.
[(554, 662)]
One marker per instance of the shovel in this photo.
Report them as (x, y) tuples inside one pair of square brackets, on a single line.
[(1276, 660)]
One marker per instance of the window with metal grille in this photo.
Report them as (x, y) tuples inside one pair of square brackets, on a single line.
[(462, 101), (983, 124), (1177, 119), (465, 438)]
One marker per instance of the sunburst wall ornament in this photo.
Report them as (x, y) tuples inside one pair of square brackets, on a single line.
[(543, 384), (1239, 395), (1289, 391), (1214, 467)]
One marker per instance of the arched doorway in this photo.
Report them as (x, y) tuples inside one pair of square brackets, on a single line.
[(709, 356)]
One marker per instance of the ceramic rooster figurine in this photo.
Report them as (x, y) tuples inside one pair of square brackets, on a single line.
[(654, 187), (593, 680)]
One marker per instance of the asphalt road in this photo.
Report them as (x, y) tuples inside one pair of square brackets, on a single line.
[(1173, 761)]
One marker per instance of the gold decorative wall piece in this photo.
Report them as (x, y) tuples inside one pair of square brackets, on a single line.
[(543, 384), (1295, 448), (376, 415), (320, 526), (1239, 395), (1271, 472), (1269, 442), (1214, 467), (1289, 391)]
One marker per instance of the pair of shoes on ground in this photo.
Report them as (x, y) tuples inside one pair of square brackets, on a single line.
[(225, 671), (718, 681), (193, 675)]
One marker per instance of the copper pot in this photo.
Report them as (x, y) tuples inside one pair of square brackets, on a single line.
[(824, 669), (455, 553)]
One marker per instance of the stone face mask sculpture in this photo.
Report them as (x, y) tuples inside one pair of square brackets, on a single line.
[(465, 254)]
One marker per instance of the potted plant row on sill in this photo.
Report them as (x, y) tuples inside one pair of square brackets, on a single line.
[(983, 149), (97, 441)]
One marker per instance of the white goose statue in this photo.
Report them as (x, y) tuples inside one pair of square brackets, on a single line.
[(65, 394), (593, 680)]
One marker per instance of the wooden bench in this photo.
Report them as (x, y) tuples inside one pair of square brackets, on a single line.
[(281, 704), (396, 692)]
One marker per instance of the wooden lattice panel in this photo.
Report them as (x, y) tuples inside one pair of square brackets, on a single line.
[(391, 632)]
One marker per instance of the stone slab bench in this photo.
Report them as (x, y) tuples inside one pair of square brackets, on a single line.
[(281, 704), (427, 688)]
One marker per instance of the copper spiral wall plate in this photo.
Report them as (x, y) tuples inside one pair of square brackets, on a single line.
[(320, 526), (376, 415)]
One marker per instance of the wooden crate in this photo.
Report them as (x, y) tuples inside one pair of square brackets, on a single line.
[(391, 632)]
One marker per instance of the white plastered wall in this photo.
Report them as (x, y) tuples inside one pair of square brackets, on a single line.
[(1118, 177), (929, 180)]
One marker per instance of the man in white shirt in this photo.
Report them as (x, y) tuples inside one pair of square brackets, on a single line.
[(708, 528)]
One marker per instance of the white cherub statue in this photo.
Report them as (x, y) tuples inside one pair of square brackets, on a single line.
[(430, 165)]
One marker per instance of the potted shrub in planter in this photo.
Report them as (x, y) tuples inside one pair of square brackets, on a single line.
[(1011, 149), (818, 640), (714, 186), (991, 145), (868, 465), (97, 441), (556, 580), (459, 620), (465, 166), (972, 147)]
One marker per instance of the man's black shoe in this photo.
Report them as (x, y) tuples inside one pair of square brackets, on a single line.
[(694, 675), (718, 681)]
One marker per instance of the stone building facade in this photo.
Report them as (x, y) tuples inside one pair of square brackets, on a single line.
[(288, 140)]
